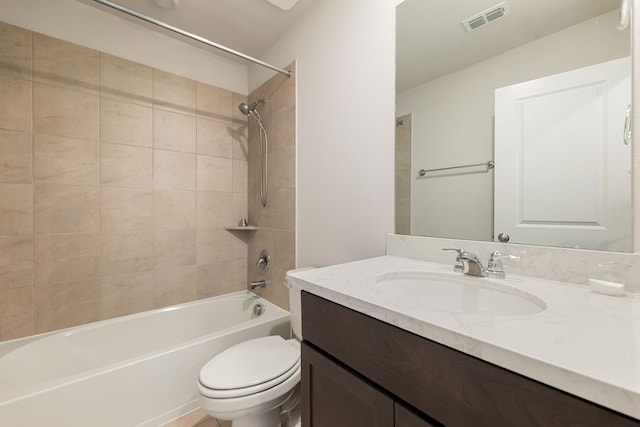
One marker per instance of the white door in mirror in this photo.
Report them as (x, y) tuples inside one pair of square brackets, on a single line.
[(562, 175)]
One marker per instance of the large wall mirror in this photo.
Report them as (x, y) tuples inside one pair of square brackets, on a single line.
[(512, 122)]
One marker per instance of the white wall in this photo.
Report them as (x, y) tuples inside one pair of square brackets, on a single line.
[(453, 122), (345, 61), (79, 23)]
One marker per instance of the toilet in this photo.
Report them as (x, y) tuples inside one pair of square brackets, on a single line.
[(255, 383)]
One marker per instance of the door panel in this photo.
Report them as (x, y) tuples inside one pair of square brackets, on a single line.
[(333, 396), (562, 173)]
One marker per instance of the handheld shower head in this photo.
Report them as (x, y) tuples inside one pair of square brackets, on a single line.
[(248, 109)]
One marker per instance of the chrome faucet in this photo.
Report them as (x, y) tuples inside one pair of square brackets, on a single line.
[(255, 285), (469, 263), (472, 265)]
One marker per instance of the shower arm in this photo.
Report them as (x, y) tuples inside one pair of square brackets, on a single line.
[(192, 36)]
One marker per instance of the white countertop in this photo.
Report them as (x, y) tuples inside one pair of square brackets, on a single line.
[(585, 343)]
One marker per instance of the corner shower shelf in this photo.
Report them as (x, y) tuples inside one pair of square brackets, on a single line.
[(242, 228)]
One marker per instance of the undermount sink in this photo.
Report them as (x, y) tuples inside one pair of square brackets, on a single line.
[(457, 293)]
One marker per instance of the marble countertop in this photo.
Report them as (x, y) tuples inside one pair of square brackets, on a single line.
[(585, 343)]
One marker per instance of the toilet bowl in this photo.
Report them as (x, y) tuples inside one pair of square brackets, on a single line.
[(255, 383)]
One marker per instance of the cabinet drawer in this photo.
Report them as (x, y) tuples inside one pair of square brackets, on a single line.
[(451, 387)]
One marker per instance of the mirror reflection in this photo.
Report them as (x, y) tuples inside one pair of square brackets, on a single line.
[(540, 88)]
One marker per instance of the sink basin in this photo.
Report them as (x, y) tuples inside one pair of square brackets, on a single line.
[(457, 293)]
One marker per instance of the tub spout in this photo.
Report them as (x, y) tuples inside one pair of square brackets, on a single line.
[(254, 285)]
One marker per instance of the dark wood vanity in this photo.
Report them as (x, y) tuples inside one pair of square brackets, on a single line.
[(360, 371)]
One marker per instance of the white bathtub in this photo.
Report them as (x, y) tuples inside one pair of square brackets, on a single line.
[(137, 370)]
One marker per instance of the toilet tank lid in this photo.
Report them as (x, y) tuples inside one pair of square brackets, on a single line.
[(249, 363)]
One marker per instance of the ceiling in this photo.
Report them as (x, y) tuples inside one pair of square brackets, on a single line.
[(247, 26), (431, 40)]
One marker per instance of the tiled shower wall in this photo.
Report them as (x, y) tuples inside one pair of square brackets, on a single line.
[(116, 182), (276, 221)]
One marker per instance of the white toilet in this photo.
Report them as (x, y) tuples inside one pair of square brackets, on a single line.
[(253, 382)]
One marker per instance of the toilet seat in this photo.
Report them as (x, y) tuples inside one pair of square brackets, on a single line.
[(249, 368)]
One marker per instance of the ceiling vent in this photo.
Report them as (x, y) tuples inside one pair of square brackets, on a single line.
[(486, 17)]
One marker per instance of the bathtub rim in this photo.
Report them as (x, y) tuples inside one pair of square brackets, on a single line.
[(18, 342)]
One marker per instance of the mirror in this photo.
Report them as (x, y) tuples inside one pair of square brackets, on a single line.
[(447, 80)]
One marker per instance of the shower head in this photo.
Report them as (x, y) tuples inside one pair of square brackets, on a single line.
[(248, 109)]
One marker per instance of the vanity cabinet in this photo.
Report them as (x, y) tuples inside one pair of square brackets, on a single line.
[(359, 371), (337, 397)]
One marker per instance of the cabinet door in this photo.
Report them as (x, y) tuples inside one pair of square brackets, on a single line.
[(405, 417), (332, 396)]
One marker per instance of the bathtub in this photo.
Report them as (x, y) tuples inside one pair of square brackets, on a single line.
[(136, 370)]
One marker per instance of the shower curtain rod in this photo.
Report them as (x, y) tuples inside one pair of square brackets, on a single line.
[(191, 35)]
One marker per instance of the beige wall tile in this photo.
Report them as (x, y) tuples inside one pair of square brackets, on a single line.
[(126, 252), (240, 176), (60, 63), (126, 123), (215, 209), (16, 262), (284, 246), (175, 209), (15, 51), (174, 92), (126, 166), (120, 197), (16, 313), (280, 211), (214, 245), (174, 131), (240, 141), (214, 137), (64, 258), (59, 160), (174, 171), (16, 209), (282, 170), (63, 112), (126, 209), (66, 304), (66, 209), (16, 151), (284, 128), (175, 248), (214, 102), (240, 265), (15, 104), (175, 285), (126, 294), (126, 79), (284, 95), (215, 279), (215, 174), (240, 208)]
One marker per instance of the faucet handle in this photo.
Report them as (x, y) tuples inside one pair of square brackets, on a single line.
[(459, 250), (459, 266), (495, 268)]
